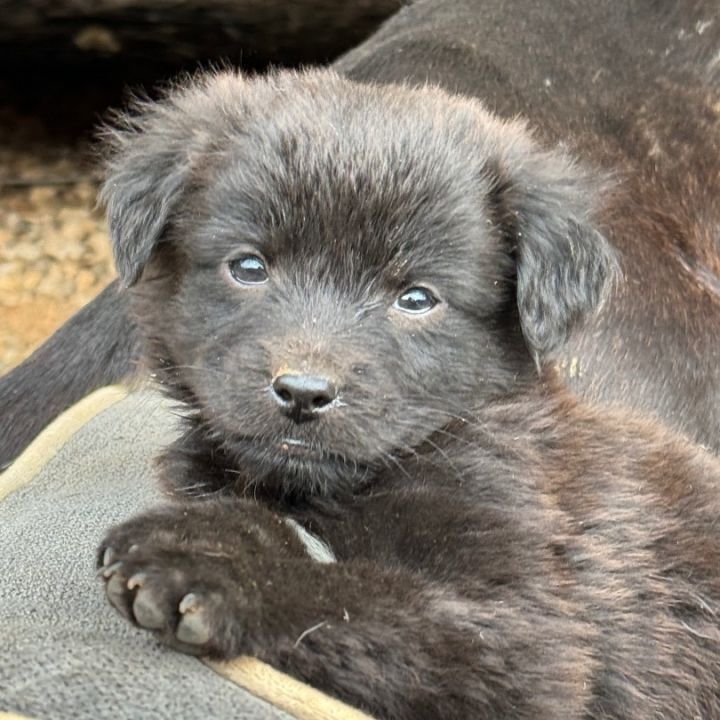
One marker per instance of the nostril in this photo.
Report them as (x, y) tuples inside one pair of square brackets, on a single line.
[(284, 395), (320, 401)]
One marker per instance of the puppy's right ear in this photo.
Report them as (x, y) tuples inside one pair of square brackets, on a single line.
[(146, 169), (152, 150)]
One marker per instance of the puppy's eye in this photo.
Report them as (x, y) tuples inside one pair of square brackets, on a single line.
[(248, 270), (416, 300)]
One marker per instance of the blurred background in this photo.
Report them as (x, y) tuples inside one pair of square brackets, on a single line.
[(63, 63)]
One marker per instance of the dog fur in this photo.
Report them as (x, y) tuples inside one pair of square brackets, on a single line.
[(503, 550)]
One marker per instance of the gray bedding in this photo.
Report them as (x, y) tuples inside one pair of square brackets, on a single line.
[(63, 652)]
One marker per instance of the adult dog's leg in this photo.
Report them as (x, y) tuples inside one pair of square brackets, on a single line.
[(98, 346)]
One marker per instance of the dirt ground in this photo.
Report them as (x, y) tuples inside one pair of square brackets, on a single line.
[(54, 251)]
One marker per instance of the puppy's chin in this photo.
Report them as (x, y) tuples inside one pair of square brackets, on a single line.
[(297, 468)]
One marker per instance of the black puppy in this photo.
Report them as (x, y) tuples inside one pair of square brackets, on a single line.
[(348, 286)]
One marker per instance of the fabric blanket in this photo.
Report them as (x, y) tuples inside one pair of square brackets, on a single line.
[(63, 652)]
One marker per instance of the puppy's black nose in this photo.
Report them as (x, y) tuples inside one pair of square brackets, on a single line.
[(303, 397)]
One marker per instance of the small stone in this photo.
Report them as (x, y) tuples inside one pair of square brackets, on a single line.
[(14, 222), (41, 195), (31, 279), (27, 251), (84, 280), (99, 242), (9, 284), (86, 193), (64, 246), (51, 279)]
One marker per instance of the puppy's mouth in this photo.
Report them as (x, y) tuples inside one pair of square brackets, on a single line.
[(292, 447), (297, 457)]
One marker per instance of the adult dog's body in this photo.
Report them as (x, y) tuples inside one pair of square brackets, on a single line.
[(633, 88)]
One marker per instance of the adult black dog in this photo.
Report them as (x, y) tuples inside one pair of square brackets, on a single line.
[(634, 88)]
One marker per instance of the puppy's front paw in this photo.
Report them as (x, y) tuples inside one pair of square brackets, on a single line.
[(192, 599)]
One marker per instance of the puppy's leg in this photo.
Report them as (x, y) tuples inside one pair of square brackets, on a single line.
[(225, 578), (98, 346)]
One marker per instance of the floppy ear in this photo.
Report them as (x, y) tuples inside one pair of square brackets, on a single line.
[(152, 150), (564, 265), (145, 173)]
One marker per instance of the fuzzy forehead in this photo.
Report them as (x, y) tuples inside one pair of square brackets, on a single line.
[(314, 161), (328, 106), (327, 128)]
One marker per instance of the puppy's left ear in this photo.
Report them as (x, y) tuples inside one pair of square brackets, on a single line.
[(544, 205)]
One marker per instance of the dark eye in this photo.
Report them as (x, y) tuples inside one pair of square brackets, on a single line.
[(416, 300), (249, 270)]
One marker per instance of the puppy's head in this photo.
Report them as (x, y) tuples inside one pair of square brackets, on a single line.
[(334, 273)]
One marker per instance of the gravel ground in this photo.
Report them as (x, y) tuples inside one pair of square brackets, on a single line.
[(54, 250)]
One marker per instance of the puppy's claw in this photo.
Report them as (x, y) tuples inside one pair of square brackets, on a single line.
[(110, 570), (137, 581), (189, 604), (108, 557)]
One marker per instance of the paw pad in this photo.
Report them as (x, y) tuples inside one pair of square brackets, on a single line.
[(193, 627), (147, 595)]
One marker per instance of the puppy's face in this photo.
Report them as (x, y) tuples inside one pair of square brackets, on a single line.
[(333, 273), (339, 301)]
